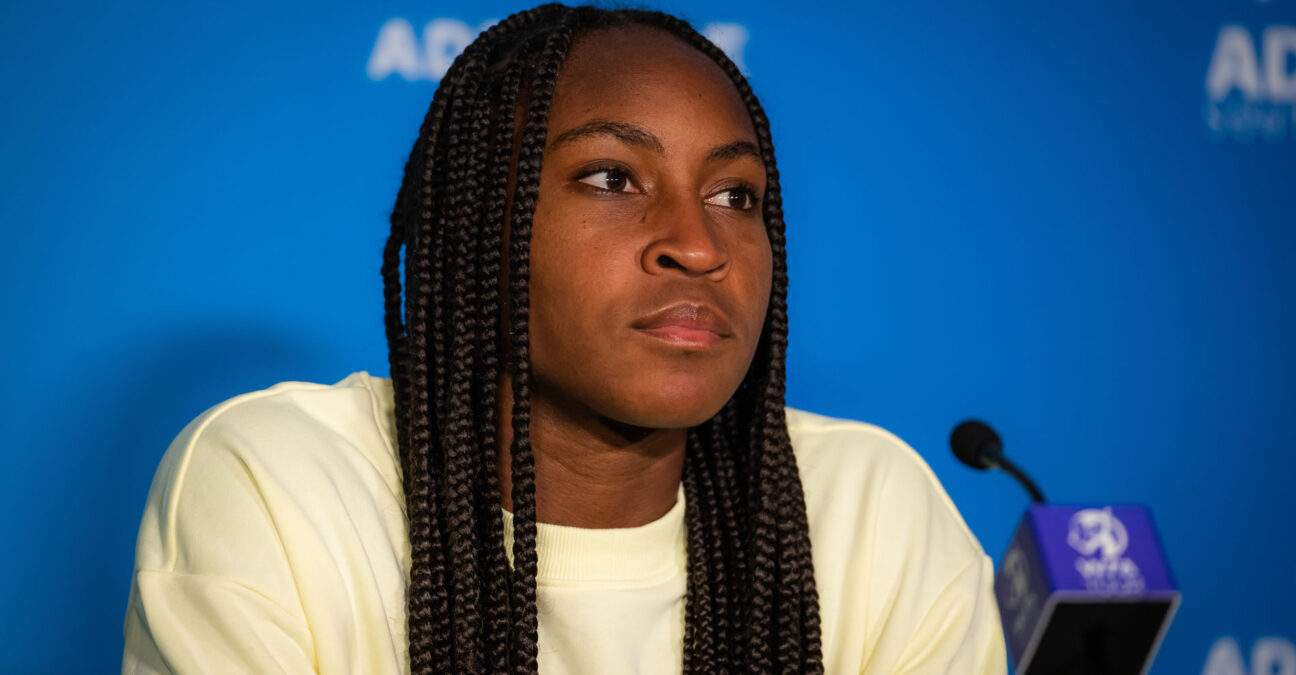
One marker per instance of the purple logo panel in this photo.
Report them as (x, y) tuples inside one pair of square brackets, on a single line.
[(1103, 550)]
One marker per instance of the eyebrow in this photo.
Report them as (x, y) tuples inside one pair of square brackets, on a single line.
[(734, 151), (626, 133), (631, 134)]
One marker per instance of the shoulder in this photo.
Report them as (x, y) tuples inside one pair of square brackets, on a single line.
[(274, 524), (852, 467), (904, 586), (350, 408), (877, 511), (832, 444), (895, 564), (298, 425), (281, 448)]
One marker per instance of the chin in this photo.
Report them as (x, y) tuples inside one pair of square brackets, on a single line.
[(675, 404)]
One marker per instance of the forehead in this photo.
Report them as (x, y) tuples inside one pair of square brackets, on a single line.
[(648, 76)]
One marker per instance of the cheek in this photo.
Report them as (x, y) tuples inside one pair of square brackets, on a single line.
[(567, 258), (760, 262), (575, 280), (557, 280)]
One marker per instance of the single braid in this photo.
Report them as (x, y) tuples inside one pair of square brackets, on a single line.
[(701, 654), (490, 245), (428, 601), (527, 189)]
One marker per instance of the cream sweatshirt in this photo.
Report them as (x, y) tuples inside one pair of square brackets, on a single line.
[(274, 541)]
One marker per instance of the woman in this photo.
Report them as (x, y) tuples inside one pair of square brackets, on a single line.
[(582, 462)]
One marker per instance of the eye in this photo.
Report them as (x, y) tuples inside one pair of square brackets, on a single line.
[(737, 198), (609, 179)]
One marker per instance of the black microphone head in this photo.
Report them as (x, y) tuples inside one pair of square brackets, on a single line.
[(975, 443)]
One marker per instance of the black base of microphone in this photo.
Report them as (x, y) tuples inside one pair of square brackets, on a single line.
[(1099, 638)]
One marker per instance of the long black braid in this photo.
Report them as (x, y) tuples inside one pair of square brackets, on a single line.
[(751, 602)]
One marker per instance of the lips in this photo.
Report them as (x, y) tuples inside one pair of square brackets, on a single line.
[(686, 324)]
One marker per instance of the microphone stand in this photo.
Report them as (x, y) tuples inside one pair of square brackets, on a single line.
[(1015, 471)]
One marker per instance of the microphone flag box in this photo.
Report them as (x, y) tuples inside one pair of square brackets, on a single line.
[(1085, 590)]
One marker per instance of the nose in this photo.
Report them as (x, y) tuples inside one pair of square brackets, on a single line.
[(685, 241)]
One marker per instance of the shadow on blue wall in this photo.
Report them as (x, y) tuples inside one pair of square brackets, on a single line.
[(122, 417)]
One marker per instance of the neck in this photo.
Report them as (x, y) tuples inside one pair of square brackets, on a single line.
[(591, 471)]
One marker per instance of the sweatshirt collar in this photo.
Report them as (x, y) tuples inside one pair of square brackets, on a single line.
[(569, 555)]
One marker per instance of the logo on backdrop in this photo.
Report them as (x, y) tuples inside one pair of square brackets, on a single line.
[(399, 51), (1101, 539), (1251, 84), (1269, 656)]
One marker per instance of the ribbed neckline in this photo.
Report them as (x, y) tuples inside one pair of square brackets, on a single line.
[(568, 555)]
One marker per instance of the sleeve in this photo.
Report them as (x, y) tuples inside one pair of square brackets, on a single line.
[(181, 623), (960, 631), (212, 590)]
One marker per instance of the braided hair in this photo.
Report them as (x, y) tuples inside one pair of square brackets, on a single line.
[(470, 189)]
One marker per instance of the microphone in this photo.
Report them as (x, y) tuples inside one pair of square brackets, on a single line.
[(1081, 589), (978, 446)]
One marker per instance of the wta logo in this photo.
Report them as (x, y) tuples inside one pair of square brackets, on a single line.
[(1251, 84), (399, 51), (1097, 531), (1101, 540)]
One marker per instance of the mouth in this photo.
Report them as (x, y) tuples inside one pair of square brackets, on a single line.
[(686, 325)]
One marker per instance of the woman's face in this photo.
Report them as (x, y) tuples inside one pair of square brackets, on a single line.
[(650, 263)]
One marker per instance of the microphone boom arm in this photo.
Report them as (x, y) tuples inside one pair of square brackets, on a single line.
[(1015, 471)]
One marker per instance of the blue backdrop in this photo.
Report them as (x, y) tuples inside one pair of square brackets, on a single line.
[(1074, 220)]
